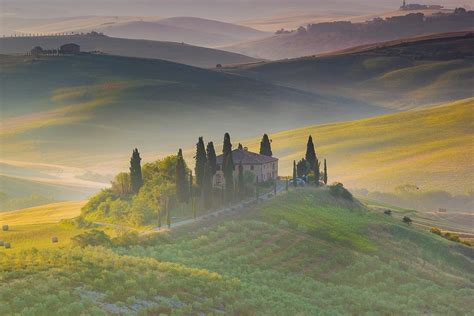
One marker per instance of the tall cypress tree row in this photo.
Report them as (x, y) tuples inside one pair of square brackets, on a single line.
[(207, 186), (317, 172), (310, 153), (136, 171), (265, 146), (211, 157), (228, 168), (325, 176), (200, 162), (181, 183), (294, 173), (241, 184)]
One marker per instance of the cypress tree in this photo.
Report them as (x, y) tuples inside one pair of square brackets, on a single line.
[(136, 171), (241, 184), (200, 162), (228, 167), (207, 186), (294, 173), (181, 186), (302, 168), (325, 176), (211, 157), (191, 193), (160, 209), (168, 214), (310, 153), (317, 172), (265, 146)]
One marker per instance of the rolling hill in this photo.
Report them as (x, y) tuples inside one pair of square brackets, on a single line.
[(305, 252), (330, 36), (171, 51), (44, 214), (20, 187), (86, 110), (293, 20), (190, 30), (398, 74), (431, 148)]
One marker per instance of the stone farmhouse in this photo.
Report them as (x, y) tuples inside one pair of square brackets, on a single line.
[(263, 167)]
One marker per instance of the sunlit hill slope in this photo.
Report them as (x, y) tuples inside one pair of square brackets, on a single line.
[(431, 148), (50, 213)]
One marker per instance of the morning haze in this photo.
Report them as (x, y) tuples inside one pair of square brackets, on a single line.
[(249, 157)]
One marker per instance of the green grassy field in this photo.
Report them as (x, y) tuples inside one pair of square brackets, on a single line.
[(34, 227), (431, 148), (305, 252)]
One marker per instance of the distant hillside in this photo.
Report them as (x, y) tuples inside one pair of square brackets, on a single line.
[(431, 148), (90, 109), (171, 51), (190, 30), (325, 37), (17, 187), (399, 74), (293, 20)]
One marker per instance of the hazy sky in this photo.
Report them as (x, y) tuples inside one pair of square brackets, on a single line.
[(229, 10)]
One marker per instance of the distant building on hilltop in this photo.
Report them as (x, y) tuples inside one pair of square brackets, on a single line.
[(416, 6), (263, 167), (70, 48)]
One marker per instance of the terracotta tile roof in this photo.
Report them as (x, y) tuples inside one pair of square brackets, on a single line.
[(247, 158)]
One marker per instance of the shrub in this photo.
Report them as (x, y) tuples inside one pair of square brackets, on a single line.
[(435, 230), (338, 190), (126, 238), (407, 220), (388, 212), (91, 238), (452, 237)]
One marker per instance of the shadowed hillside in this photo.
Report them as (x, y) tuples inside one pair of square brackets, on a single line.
[(171, 51), (105, 105), (422, 71)]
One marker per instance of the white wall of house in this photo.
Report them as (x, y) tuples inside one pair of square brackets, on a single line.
[(264, 172)]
